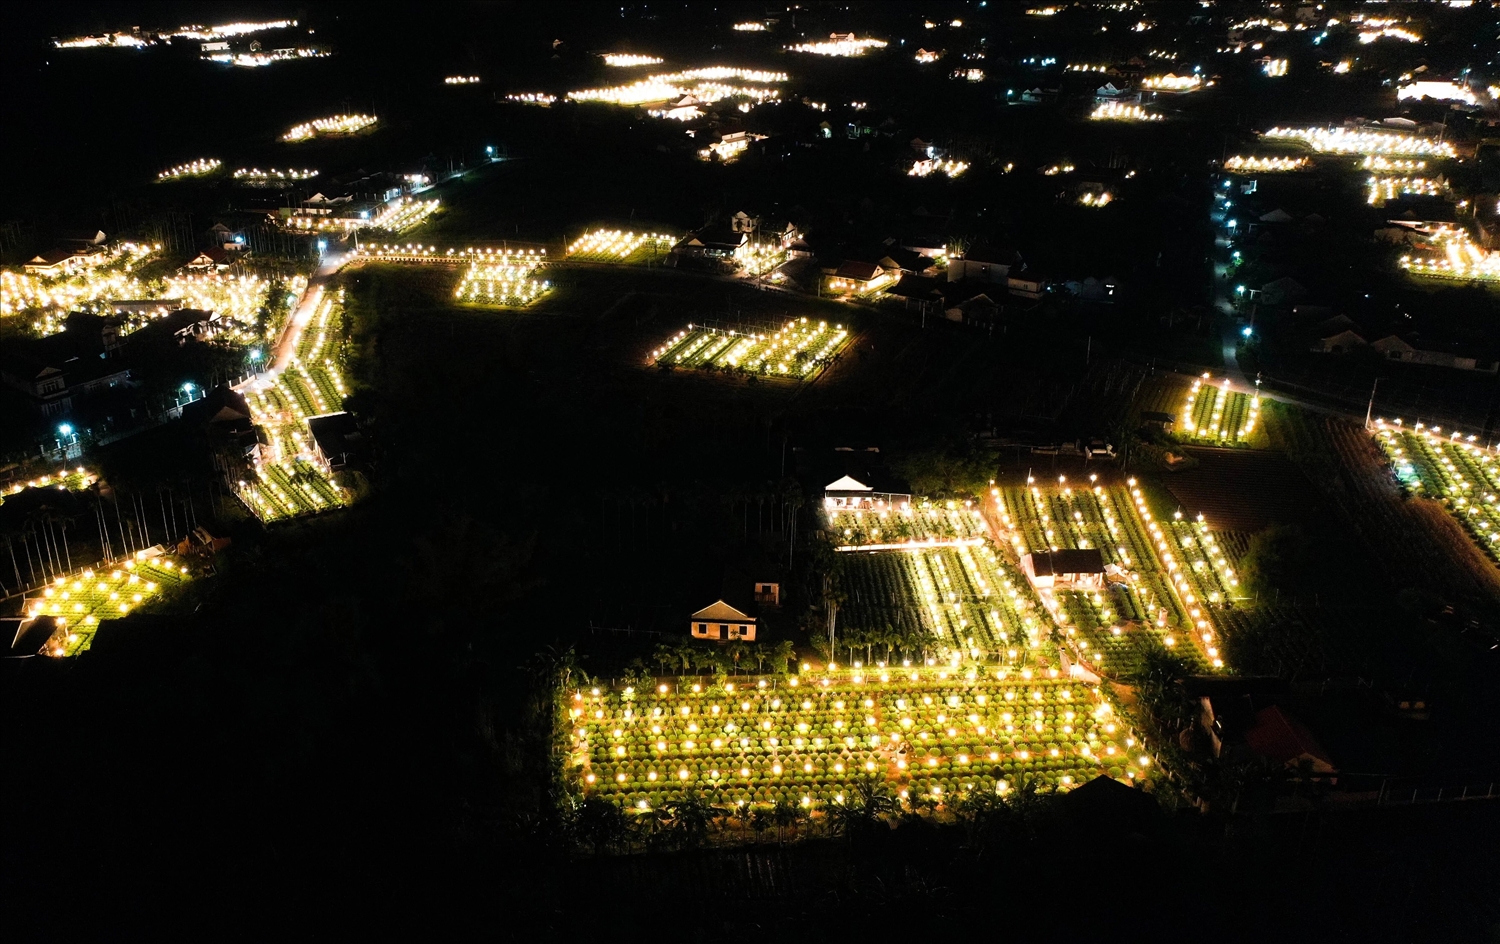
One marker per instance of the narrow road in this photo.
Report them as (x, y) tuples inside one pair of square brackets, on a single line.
[(297, 323)]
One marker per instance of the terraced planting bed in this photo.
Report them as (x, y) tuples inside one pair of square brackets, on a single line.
[(80, 600), (1214, 413), (797, 351), (288, 481), (1452, 468), (928, 732)]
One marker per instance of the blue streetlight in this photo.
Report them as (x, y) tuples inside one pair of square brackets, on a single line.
[(322, 245), (1239, 289), (1246, 331), (65, 430), (255, 352), (187, 388), (1233, 223), (1236, 253), (489, 149)]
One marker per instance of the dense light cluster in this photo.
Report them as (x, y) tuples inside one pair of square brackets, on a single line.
[(840, 45), (336, 124), (612, 245), (1096, 200), (461, 80), (1438, 91), (1275, 68), (933, 733), (288, 479), (751, 27), (1266, 165), (1119, 111), (251, 175), (1347, 141), (503, 279), (1378, 164), (101, 276), (629, 60), (254, 60), (1380, 189), (1451, 467), (1461, 259), (706, 85), (1172, 83), (1392, 32), (78, 601), (202, 167), (1218, 414), (798, 350), (404, 214), (928, 55), (531, 98), (1151, 593)]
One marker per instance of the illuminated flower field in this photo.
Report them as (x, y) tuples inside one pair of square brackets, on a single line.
[(1265, 165), (288, 481), (798, 350), (1345, 141), (79, 601), (929, 732), (1217, 414), (1451, 467), (1115, 111), (199, 168), (1162, 581), (333, 125), (506, 282), (612, 245)]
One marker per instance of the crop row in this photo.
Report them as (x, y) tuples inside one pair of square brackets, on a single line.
[(1463, 475), (926, 521), (1217, 414), (919, 729), (797, 350)]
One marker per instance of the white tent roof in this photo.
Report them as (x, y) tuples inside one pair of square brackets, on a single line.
[(848, 484)]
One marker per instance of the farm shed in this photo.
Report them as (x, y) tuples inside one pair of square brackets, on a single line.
[(848, 493), (1081, 568)]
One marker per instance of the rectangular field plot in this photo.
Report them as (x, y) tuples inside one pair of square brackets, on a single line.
[(796, 351), (929, 733), (501, 285), (626, 248), (1214, 413), (955, 602), (1451, 468), (926, 522), (1146, 592)]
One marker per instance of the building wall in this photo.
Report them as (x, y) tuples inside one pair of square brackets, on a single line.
[(725, 631)]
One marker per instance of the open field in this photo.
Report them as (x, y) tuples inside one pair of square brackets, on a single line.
[(927, 732), (1241, 490)]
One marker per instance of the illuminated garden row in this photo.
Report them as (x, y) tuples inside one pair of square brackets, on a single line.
[(79, 601), (1216, 413), (612, 245), (931, 732), (796, 351), (1453, 468)]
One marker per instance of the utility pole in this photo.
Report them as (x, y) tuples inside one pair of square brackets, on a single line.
[(1371, 407)]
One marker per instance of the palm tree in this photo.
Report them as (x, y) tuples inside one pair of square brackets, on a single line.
[(665, 656), (784, 654), (691, 817)]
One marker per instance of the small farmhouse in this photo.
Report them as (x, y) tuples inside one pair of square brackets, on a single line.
[(849, 494), (722, 622)]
